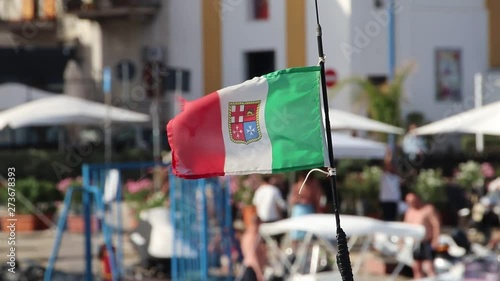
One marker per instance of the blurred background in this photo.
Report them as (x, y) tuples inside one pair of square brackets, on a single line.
[(414, 64)]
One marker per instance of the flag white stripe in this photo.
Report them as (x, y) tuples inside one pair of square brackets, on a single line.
[(255, 156)]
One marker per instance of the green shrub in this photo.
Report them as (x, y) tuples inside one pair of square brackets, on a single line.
[(39, 194), (469, 175), (54, 166), (430, 186)]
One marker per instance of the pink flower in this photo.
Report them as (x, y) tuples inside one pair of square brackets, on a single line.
[(64, 184), (145, 184), (233, 184), (132, 186), (136, 186), (487, 170)]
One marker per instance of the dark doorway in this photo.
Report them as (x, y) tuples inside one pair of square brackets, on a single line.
[(41, 68), (377, 80), (259, 63)]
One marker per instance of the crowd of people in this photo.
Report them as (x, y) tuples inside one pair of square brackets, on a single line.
[(274, 199)]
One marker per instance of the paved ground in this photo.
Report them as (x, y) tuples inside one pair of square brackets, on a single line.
[(37, 247)]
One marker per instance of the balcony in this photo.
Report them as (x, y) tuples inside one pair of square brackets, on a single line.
[(107, 9), (29, 15)]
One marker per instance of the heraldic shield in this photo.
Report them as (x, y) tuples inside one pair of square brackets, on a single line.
[(244, 122)]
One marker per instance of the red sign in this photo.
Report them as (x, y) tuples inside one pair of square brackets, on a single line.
[(331, 77)]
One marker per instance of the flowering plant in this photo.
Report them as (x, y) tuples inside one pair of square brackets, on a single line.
[(42, 195), (470, 175), (364, 184), (243, 189), (138, 191), (362, 187), (371, 180), (141, 195), (429, 185), (76, 199)]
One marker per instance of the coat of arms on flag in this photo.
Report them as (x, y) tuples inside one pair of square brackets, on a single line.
[(244, 122)]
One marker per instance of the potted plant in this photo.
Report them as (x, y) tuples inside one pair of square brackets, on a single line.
[(363, 189), (155, 199), (38, 198), (350, 193), (243, 196), (430, 186), (383, 102), (370, 190), (141, 195), (75, 221), (49, 196), (136, 194), (470, 176)]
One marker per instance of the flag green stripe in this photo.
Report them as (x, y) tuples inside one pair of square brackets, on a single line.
[(293, 119)]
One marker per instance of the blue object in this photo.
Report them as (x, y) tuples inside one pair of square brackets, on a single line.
[(200, 213), (391, 40), (106, 80), (94, 176), (194, 226), (86, 201), (297, 211), (88, 193)]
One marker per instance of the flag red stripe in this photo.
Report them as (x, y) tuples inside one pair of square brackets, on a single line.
[(195, 136)]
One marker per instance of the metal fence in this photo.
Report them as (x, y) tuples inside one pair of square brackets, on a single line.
[(201, 220), (201, 217)]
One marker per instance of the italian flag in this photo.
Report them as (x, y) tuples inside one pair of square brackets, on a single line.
[(269, 124)]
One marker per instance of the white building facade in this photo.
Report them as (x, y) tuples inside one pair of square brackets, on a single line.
[(355, 37)]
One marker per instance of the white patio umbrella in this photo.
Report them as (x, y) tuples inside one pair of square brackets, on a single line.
[(62, 110), (14, 94), (483, 120), (341, 120), (349, 147)]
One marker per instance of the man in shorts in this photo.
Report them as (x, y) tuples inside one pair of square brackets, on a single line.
[(423, 214)]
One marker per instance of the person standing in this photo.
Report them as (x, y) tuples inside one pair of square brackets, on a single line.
[(413, 145), (268, 201), (307, 202), (423, 214), (254, 253), (390, 191)]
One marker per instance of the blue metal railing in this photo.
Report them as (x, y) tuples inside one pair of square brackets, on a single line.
[(200, 215)]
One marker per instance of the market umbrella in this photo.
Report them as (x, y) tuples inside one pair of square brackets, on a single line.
[(62, 110), (14, 94), (341, 120), (482, 120), (348, 147)]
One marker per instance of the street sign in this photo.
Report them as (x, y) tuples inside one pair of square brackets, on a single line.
[(106, 80), (331, 77)]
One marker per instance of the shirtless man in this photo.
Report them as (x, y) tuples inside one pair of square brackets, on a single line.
[(254, 255), (423, 214)]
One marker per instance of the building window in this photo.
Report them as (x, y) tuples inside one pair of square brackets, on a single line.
[(260, 9), (379, 4), (377, 80), (448, 74), (259, 63)]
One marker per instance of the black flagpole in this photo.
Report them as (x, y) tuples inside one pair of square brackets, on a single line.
[(343, 259)]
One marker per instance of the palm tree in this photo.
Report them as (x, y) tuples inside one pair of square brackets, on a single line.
[(384, 101)]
